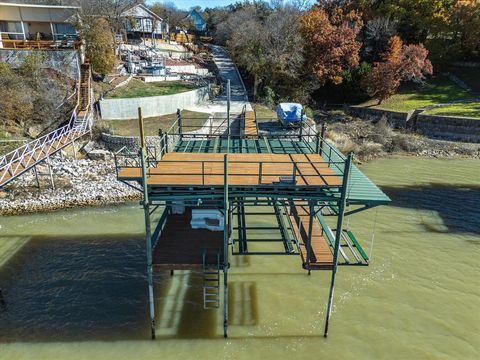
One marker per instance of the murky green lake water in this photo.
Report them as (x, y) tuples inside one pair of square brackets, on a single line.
[(75, 288)]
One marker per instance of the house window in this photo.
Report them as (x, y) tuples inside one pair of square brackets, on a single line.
[(64, 31), (12, 29)]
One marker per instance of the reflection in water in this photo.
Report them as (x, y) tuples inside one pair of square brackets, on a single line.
[(456, 204)]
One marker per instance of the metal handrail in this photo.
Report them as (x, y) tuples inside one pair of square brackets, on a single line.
[(41, 148)]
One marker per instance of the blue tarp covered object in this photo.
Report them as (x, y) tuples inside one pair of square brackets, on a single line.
[(290, 113)]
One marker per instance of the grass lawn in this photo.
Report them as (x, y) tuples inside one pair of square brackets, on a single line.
[(263, 112), (467, 110), (469, 75), (438, 89), (138, 88), (191, 121)]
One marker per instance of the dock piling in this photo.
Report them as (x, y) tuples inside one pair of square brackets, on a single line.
[(148, 231), (226, 235), (338, 234)]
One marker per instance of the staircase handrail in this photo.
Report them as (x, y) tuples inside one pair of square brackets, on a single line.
[(11, 162)]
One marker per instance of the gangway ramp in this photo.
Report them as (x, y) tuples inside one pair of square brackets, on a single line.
[(251, 129), (319, 255)]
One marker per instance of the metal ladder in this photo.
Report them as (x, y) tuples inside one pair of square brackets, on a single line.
[(211, 282)]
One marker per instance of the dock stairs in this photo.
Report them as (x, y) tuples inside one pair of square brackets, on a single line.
[(211, 280), (19, 161)]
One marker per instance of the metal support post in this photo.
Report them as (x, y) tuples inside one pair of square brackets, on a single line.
[(74, 150), (226, 231), (338, 236), (180, 125), (317, 143), (162, 147), (148, 231), (35, 171), (311, 210), (228, 106), (50, 174)]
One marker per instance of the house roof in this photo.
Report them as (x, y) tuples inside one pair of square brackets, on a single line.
[(140, 10)]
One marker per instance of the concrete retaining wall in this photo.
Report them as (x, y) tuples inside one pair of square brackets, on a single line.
[(396, 119), (449, 128), (124, 109)]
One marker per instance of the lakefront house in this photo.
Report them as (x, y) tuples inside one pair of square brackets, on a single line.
[(40, 23)]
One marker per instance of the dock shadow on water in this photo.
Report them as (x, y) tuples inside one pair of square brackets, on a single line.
[(85, 288), (75, 289), (456, 204)]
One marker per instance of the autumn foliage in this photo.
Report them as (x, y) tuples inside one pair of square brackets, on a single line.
[(331, 42), (401, 62)]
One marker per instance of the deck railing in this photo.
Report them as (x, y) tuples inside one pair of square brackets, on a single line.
[(126, 158), (40, 44)]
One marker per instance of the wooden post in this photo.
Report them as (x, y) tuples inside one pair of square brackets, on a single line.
[(322, 136), (225, 246), (338, 236), (141, 127), (148, 231)]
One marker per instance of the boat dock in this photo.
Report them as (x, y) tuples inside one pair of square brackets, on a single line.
[(202, 189)]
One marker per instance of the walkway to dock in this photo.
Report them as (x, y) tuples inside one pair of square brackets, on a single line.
[(251, 129), (227, 70), (321, 256)]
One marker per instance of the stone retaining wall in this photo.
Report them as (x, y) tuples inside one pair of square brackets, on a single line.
[(449, 128), (435, 126), (116, 142), (396, 119), (123, 109)]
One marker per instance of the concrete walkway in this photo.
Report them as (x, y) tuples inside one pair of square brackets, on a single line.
[(227, 71)]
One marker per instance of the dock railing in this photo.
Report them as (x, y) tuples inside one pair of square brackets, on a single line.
[(126, 158)]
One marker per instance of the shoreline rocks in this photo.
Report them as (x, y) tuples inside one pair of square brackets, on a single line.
[(78, 183)]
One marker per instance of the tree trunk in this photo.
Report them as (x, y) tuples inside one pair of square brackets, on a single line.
[(255, 87)]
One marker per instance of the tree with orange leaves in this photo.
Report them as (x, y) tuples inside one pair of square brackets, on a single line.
[(331, 44), (401, 62)]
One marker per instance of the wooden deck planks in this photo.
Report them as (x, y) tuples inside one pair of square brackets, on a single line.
[(207, 169), (321, 256), (251, 129)]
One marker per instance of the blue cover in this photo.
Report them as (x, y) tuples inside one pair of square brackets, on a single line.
[(290, 113)]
